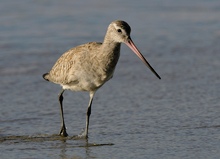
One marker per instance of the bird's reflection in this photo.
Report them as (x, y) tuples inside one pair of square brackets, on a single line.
[(65, 147)]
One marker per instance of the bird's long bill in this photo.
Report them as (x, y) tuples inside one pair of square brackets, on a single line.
[(132, 46)]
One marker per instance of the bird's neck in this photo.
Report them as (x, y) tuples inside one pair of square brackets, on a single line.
[(110, 51), (110, 46)]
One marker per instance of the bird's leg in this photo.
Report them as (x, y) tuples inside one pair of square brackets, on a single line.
[(85, 133), (63, 127)]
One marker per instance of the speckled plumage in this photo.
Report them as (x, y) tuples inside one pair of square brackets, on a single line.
[(84, 68)]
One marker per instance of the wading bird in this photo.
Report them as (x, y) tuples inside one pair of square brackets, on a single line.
[(87, 67)]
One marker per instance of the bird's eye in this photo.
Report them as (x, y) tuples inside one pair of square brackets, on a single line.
[(119, 30)]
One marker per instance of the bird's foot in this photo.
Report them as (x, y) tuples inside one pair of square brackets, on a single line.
[(83, 135), (63, 132)]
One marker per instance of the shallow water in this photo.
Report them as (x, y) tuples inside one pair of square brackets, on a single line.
[(134, 115)]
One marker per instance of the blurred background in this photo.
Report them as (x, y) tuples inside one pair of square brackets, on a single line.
[(143, 117)]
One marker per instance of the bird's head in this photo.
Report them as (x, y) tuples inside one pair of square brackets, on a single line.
[(119, 31)]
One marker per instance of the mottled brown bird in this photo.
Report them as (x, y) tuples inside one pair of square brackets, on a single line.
[(87, 67)]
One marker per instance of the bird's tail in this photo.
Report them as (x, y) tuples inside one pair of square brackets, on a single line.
[(45, 76)]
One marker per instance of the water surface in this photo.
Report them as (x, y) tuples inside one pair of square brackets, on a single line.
[(134, 115)]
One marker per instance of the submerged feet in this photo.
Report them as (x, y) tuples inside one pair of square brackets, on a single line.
[(82, 135), (63, 132)]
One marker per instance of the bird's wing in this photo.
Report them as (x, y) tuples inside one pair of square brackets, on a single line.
[(74, 57)]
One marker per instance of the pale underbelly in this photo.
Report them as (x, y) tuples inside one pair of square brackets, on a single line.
[(86, 84)]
